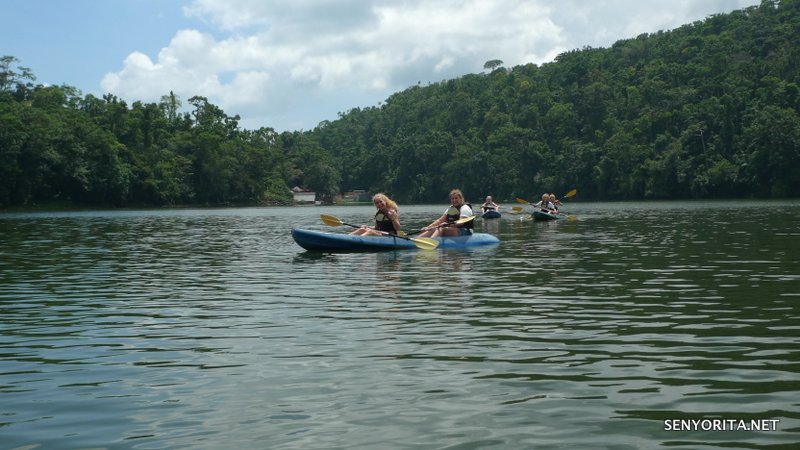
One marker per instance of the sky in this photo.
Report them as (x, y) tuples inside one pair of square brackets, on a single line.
[(291, 64)]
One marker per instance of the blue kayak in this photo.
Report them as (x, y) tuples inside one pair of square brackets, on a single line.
[(491, 215), (544, 215), (337, 242)]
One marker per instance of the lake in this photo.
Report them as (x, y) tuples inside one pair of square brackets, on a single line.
[(625, 326)]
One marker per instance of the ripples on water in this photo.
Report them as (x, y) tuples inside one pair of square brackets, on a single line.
[(211, 328)]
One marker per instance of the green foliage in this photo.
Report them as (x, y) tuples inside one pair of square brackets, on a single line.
[(706, 110), (710, 109), (57, 146), (492, 64)]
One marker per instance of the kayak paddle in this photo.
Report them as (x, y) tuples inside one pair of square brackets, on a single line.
[(457, 222), (423, 243)]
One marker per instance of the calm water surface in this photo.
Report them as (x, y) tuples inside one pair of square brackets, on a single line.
[(210, 329)]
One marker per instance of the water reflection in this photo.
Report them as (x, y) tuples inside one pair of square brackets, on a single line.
[(491, 226), (206, 328)]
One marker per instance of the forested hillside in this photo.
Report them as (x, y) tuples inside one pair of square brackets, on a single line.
[(56, 147), (709, 110)]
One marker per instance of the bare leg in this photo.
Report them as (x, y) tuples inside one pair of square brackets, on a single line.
[(371, 232), (449, 231)]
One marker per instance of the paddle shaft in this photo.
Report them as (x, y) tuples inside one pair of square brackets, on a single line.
[(441, 225), (423, 243), (385, 233)]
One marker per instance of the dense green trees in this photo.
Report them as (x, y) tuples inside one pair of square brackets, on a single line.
[(56, 146), (707, 110), (711, 109)]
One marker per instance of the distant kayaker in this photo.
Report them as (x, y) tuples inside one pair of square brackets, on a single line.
[(445, 225), (489, 205), (544, 204), (387, 218), (555, 202)]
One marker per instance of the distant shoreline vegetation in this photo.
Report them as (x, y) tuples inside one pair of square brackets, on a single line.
[(708, 110), (68, 206)]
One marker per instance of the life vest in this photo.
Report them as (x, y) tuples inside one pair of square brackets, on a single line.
[(454, 214), (384, 223), (546, 206)]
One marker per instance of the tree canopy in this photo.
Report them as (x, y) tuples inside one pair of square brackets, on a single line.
[(708, 110)]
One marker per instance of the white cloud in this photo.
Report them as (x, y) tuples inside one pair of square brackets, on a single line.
[(445, 63), (290, 65)]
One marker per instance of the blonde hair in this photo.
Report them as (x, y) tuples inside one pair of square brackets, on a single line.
[(390, 204), (456, 192)]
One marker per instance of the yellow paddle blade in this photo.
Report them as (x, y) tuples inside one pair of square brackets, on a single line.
[(331, 220), (465, 220), (517, 209), (522, 200), (571, 193), (425, 243)]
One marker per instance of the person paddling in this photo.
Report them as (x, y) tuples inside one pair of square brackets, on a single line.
[(544, 204), (445, 225), (489, 205), (555, 202), (387, 218)]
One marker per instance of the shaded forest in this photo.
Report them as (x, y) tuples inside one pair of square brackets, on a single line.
[(708, 110)]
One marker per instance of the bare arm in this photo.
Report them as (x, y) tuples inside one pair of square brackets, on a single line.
[(438, 221), (392, 214)]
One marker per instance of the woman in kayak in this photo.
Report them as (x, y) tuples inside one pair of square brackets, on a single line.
[(555, 202), (387, 219), (544, 204), (445, 225), (489, 205)]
